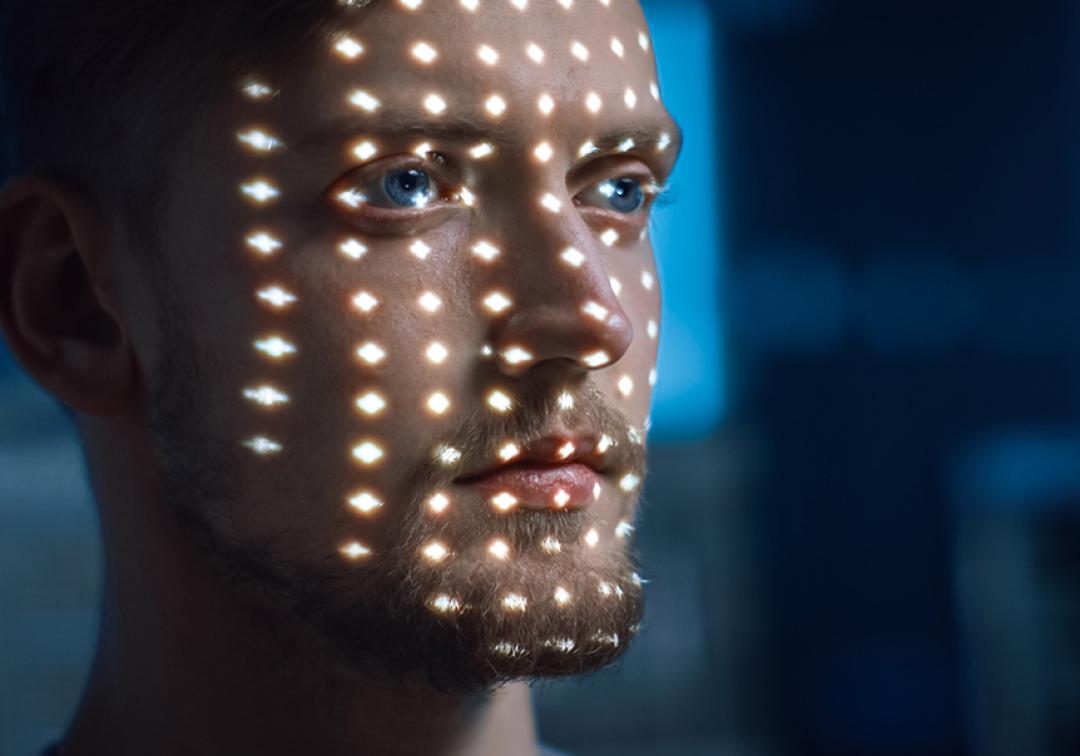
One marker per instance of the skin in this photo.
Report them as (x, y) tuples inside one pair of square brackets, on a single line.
[(227, 565)]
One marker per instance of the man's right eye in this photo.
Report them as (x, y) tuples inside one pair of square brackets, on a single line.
[(405, 188)]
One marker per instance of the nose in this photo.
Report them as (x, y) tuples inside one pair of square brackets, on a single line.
[(565, 309)]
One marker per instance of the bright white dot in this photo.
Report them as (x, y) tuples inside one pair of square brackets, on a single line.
[(412, 4), (368, 453), (566, 400), (629, 482), (467, 197), (365, 502), (364, 101), (579, 51), (349, 48), (499, 549), (543, 152), (509, 451), (626, 385), (647, 280), (495, 105), (587, 149), (516, 355), (260, 191), (267, 396), (497, 302), (448, 455), (371, 353), (438, 403), (568, 4), (609, 237), (643, 40), (365, 150), (616, 285), (592, 538), (264, 243), (424, 52), (626, 145), (276, 296), (551, 545), (435, 552), (353, 248), (652, 377), (275, 347), (594, 102), (597, 489), (371, 403), (504, 501), (259, 140), (562, 596), (437, 353), (365, 302), (617, 46), (257, 90), (500, 401), (263, 445), (573, 257), (435, 104), (624, 529), (605, 588), (663, 142), (356, 551), (470, 5), (635, 435), (535, 52), (604, 444), (481, 151), (422, 149), (551, 202), (487, 54), (445, 604), (520, 4), (546, 104), (485, 251), (654, 90), (419, 249), (487, 351), (596, 359), (561, 498), (566, 450), (637, 580), (438, 503), (352, 198), (515, 602), (630, 98), (430, 301), (653, 329), (595, 310)]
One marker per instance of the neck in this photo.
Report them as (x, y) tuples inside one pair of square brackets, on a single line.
[(183, 667)]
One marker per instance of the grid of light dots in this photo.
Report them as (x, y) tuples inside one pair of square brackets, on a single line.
[(263, 191)]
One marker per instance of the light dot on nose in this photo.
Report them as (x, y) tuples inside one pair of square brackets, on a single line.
[(481, 151), (365, 101), (365, 302), (497, 302), (435, 104), (500, 401), (543, 152), (430, 301), (643, 40), (487, 54), (551, 203), (617, 46), (437, 353), (579, 51), (609, 237), (663, 142), (616, 285), (647, 280), (535, 52), (438, 403), (371, 353), (516, 355), (626, 385), (495, 105), (573, 257), (504, 501), (485, 250), (424, 52), (594, 102), (365, 502), (499, 549), (546, 104), (371, 403), (630, 98), (654, 90), (595, 310), (368, 453), (438, 503), (596, 359)]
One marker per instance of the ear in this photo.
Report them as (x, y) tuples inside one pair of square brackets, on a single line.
[(56, 310)]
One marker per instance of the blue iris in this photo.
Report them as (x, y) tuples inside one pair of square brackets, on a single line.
[(408, 187), (625, 194)]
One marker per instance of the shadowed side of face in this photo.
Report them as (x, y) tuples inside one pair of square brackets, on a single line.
[(405, 348)]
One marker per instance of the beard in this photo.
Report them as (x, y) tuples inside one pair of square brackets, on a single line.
[(466, 625)]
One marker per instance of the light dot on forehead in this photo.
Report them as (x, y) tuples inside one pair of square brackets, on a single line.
[(263, 445), (543, 152), (371, 403), (438, 403), (437, 353), (365, 150), (487, 54), (424, 52), (481, 151), (617, 47), (535, 52), (365, 302), (435, 104), (546, 104), (579, 51), (495, 105), (365, 502), (470, 5)]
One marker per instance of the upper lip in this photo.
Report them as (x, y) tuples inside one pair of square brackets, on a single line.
[(549, 450)]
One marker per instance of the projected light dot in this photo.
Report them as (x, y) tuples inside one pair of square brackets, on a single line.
[(438, 503), (356, 551), (349, 48), (561, 498), (654, 90), (647, 280), (630, 99), (430, 301), (610, 639), (606, 589), (263, 445), (487, 351), (592, 538), (663, 142), (509, 451), (596, 311), (371, 353), (447, 455), (445, 604), (257, 90), (504, 501), (365, 502), (481, 151), (520, 4), (546, 104), (535, 53), (543, 152), (652, 377), (259, 140), (496, 302), (568, 4), (609, 237), (365, 150), (467, 197), (597, 489), (435, 104), (264, 243), (565, 645), (616, 285), (435, 552), (653, 329), (579, 51), (500, 402), (352, 198), (438, 403), (419, 250), (487, 54), (643, 41), (424, 53), (515, 602), (551, 545), (276, 297), (267, 396), (637, 580), (572, 257), (368, 453), (365, 302), (495, 105), (353, 249), (617, 47), (551, 203), (629, 482), (411, 4), (562, 596), (436, 353), (499, 549), (486, 251), (565, 400), (624, 529), (596, 359), (635, 435), (516, 356), (470, 5), (364, 101), (275, 347), (594, 102), (626, 386), (586, 149), (371, 403), (261, 191)]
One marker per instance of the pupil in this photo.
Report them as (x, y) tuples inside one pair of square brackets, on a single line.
[(626, 195), (408, 187)]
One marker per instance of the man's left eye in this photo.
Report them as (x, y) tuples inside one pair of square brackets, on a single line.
[(623, 195), (405, 187)]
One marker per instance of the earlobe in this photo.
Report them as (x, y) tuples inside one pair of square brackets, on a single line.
[(55, 313)]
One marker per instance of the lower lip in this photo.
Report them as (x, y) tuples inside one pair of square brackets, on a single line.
[(539, 487)]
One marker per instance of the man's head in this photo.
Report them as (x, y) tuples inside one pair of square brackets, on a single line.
[(389, 305)]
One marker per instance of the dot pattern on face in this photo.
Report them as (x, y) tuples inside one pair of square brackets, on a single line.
[(263, 190)]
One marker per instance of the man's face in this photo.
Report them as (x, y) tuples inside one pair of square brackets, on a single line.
[(407, 369)]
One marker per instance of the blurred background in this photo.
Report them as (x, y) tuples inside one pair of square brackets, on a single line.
[(862, 525)]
